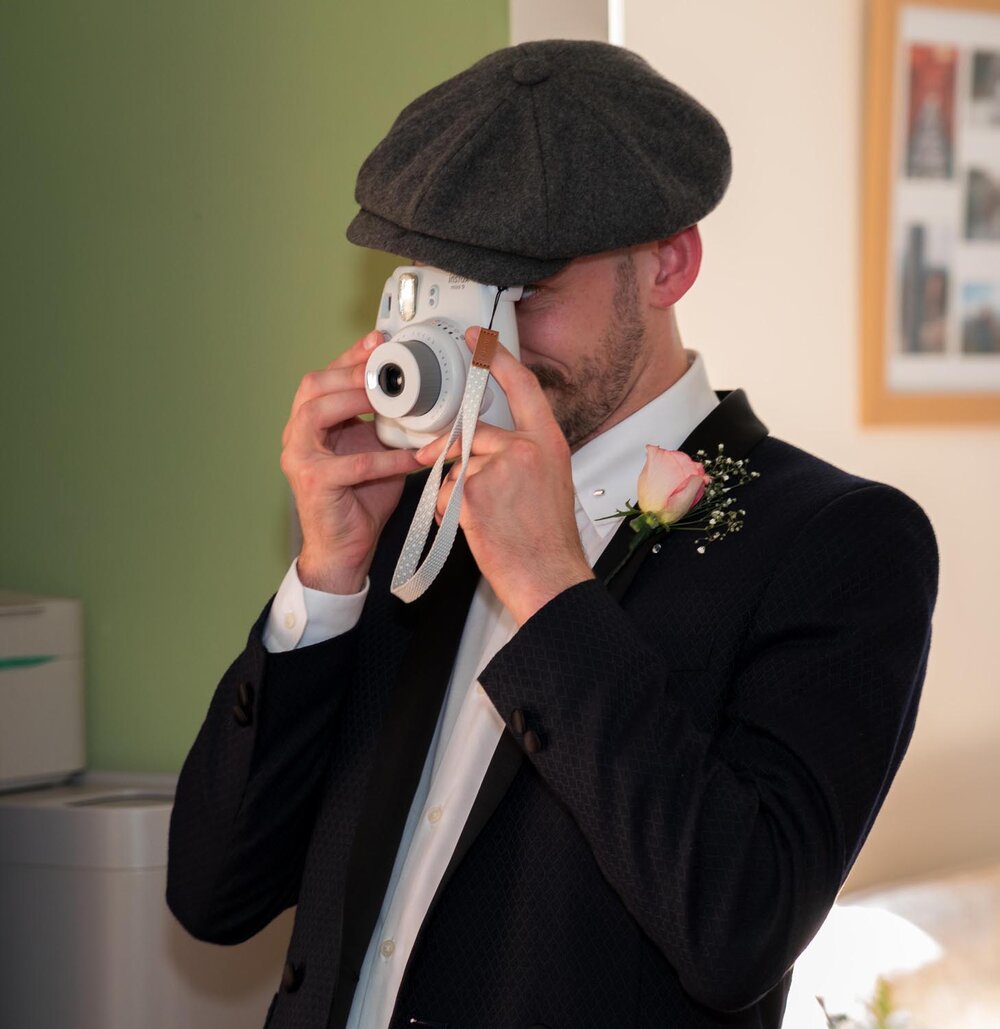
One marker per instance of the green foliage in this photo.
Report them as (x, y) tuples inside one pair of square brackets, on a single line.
[(881, 1010), (880, 1007)]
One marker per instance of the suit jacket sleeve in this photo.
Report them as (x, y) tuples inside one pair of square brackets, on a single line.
[(728, 847), (248, 791)]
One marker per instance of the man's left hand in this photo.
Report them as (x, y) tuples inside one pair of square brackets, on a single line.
[(518, 504)]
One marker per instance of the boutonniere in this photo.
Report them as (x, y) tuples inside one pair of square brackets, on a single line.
[(676, 492)]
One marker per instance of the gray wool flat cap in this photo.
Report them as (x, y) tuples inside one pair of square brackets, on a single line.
[(536, 155)]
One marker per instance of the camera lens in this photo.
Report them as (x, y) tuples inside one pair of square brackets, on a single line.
[(403, 378), (391, 380)]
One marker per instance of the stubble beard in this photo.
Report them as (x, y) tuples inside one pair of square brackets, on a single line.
[(600, 380)]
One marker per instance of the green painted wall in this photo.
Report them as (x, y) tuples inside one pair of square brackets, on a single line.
[(175, 182)]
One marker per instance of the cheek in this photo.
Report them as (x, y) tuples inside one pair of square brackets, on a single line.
[(553, 333), (529, 317), (533, 329)]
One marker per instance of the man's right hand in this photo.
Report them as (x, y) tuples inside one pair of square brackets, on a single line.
[(346, 483)]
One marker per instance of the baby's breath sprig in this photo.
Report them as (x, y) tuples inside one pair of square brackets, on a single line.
[(714, 513)]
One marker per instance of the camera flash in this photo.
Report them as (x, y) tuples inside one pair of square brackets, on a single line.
[(407, 296)]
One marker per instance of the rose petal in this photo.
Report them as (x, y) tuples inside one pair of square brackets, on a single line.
[(682, 500), (669, 474)]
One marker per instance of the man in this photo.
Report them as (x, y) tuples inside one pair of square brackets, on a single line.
[(577, 784)]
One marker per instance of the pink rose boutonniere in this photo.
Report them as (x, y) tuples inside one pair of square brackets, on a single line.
[(677, 492)]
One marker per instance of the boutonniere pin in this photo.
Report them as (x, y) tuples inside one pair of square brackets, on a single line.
[(676, 492)]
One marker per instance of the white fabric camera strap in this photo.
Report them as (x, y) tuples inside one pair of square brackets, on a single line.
[(409, 581)]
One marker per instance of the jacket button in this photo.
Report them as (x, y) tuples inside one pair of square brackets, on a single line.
[(245, 693), (517, 722), (243, 709), (292, 976), (532, 744)]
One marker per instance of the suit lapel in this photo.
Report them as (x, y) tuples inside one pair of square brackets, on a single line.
[(436, 622), (733, 423), (503, 767)]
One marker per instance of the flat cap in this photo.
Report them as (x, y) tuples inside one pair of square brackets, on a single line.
[(536, 155)]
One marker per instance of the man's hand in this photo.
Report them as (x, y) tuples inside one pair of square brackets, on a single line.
[(517, 508), (346, 483)]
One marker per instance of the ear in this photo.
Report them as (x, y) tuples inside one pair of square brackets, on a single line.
[(677, 260)]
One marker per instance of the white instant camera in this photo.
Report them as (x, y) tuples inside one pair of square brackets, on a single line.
[(416, 378)]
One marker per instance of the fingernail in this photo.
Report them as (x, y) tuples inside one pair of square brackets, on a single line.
[(372, 340)]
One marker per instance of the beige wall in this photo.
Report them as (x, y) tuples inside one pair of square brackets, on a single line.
[(557, 19), (776, 311)]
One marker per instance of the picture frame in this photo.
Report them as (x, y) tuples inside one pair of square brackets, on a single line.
[(930, 262)]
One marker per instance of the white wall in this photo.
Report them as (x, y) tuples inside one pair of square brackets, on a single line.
[(776, 311)]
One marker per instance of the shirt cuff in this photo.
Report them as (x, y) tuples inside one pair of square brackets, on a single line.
[(301, 617)]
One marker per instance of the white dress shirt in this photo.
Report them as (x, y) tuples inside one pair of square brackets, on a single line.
[(605, 473)]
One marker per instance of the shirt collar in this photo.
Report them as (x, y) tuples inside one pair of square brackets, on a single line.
[(606, 470)]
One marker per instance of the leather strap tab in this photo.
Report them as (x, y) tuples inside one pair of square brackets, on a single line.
[(486, 348)]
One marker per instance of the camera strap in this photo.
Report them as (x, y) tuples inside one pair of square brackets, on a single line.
[(410, 581)]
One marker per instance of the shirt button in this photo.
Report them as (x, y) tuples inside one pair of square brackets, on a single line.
[(387, 949), (434, 815), (480, 690), (289, 620)]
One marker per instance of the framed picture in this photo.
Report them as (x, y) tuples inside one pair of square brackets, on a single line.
[(930, 287)]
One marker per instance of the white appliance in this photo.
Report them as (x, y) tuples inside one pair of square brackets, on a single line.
[(41, 690), (86, 936)]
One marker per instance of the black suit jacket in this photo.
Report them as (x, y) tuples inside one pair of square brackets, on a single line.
[(713, 735)]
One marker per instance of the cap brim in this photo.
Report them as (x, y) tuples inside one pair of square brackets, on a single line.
[(480, 264)]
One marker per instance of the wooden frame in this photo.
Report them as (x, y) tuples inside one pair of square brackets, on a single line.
[(927, 333)]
